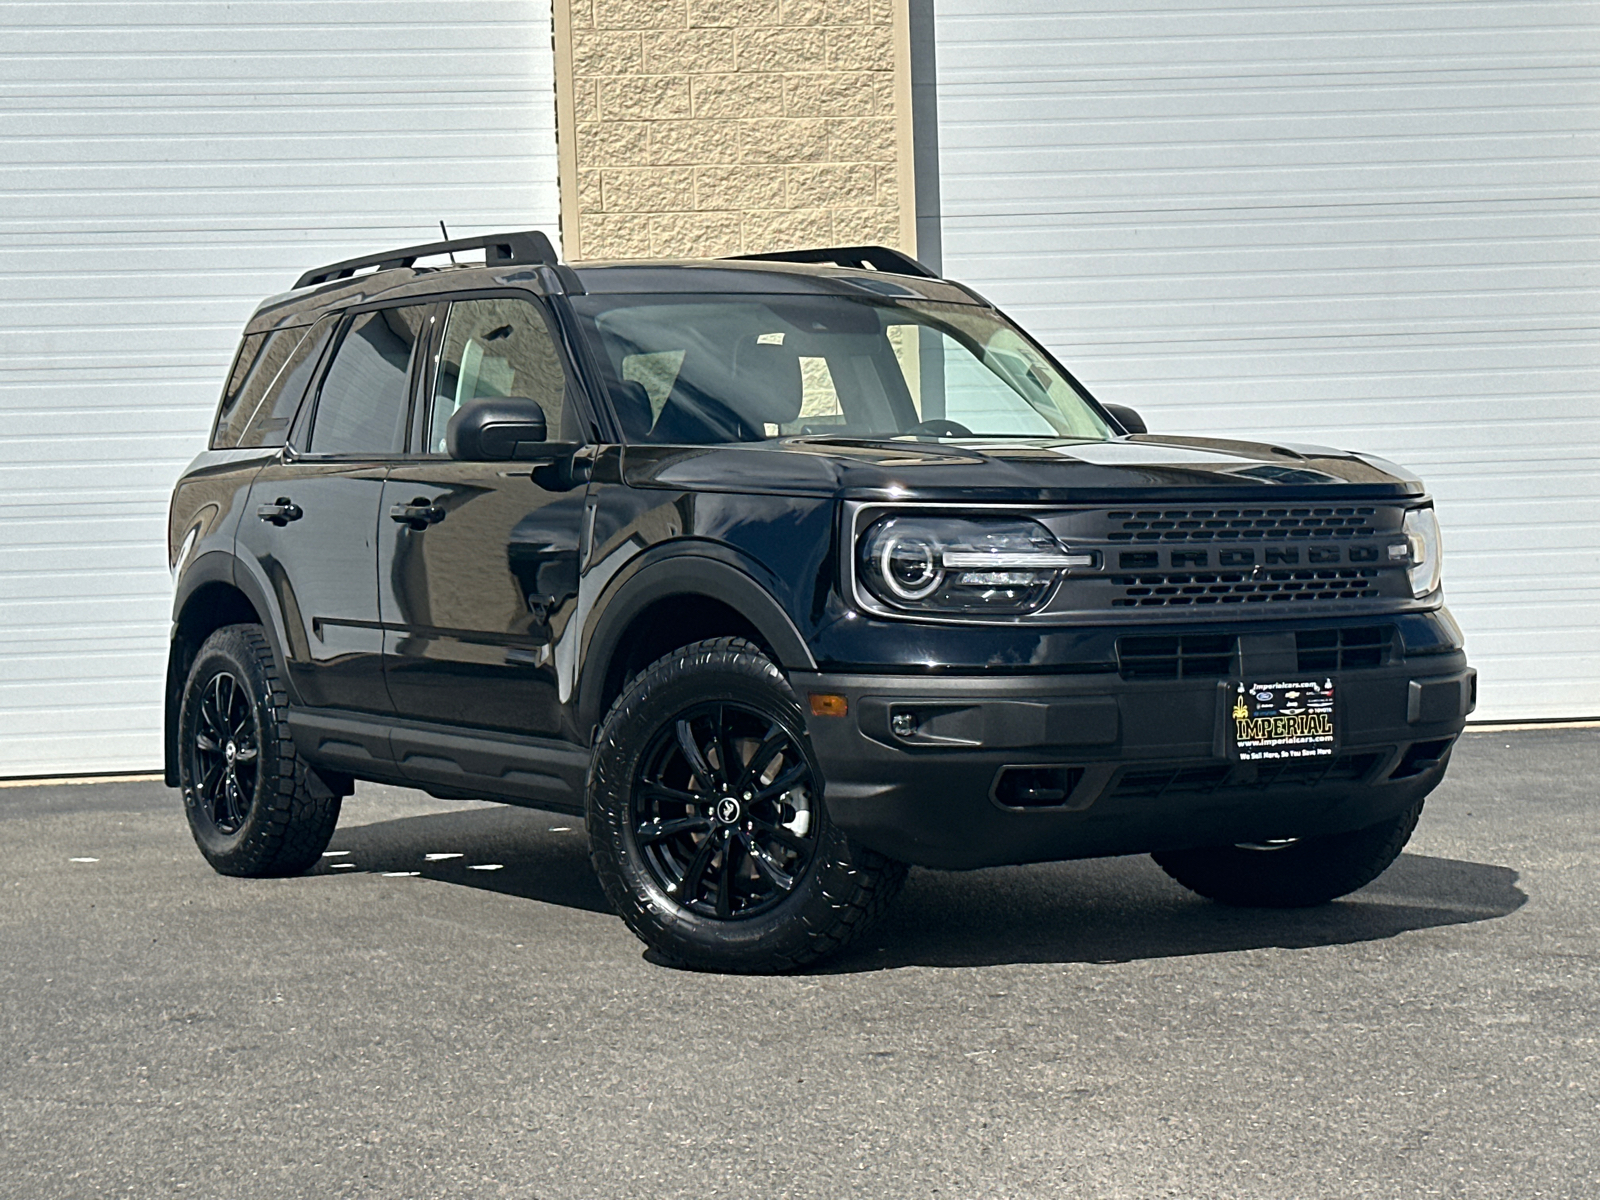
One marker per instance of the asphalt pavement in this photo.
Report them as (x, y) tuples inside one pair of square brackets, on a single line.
[(476, 1024)]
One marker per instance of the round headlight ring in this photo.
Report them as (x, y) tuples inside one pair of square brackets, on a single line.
[(910, 567)]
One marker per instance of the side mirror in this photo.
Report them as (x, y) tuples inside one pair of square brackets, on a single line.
[(1126, 417), (497, 429)]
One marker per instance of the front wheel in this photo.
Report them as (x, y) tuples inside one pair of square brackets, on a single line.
[(1292, 872), (706, 820)]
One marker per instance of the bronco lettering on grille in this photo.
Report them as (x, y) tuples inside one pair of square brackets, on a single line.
[(1188, 560)]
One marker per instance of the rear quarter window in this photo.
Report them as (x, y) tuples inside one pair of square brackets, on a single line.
[(246, 365), (266, 385)]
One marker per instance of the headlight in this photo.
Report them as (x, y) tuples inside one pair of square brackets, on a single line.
[(1002, 565), (1422, 534)]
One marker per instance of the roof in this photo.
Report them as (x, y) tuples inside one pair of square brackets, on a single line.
[(722, 276), (522, 259)]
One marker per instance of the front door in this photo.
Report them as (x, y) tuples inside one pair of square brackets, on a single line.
[(311, 528), (477, 563)]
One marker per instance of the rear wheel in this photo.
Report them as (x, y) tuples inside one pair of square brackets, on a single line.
[(1292, 872), (706, 820), (254, 806)]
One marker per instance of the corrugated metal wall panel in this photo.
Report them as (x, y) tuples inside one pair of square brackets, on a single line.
[(162, 168), (1368, 225)]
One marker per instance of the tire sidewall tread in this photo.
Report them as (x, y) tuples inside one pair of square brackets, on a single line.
[(293, 815), (845, 886)]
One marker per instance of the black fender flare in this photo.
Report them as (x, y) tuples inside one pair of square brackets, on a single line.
[(212, 567), (220, 566), (264, 600), (710, 570)]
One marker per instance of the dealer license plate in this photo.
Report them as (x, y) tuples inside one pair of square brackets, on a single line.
[(1285, 719)]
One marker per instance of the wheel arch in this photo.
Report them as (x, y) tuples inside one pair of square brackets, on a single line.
[(209, 597), (669, 600)]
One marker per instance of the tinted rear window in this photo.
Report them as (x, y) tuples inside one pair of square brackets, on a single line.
[(268, 382)]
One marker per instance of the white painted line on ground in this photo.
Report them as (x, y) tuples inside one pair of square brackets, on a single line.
[(83, 860), (63, 780), (400, 874), (441, 857), (1532, 726), (335, 853), (561, 829), (341, 866), (486, 867)]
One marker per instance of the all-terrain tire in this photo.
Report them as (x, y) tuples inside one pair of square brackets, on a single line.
[(843, 885), (1297, 874), (279, 815)]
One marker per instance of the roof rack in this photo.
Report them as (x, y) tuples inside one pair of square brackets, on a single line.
[(504, 249), (872, 258)]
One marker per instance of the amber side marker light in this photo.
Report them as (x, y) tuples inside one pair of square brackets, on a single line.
[(825, 704)]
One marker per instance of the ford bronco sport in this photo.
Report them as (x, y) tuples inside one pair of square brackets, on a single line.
[(784, 572)]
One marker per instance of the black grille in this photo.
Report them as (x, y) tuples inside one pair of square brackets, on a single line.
[(1344, 649), (1239, 524), (1193, 656), (1182, 589), (1163, 780), (1313, 771), (1151, 783), (1176, 657)]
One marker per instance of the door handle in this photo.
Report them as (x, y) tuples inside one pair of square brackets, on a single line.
[(280, 512), (419, 514)]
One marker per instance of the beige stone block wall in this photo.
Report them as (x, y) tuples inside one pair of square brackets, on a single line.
[(699, 128)]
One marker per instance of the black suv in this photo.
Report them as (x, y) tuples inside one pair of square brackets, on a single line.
[(784, 572)]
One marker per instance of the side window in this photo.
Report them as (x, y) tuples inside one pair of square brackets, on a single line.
[(497, 347), (363, 403), (249, 367), (268, 382)]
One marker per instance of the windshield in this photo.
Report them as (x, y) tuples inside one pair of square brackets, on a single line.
[(707, 369)]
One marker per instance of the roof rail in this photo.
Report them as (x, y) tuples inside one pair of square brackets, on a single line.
[(872, 258), (504, 249)]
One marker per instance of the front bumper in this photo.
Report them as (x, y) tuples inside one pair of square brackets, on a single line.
[(1005, 768)]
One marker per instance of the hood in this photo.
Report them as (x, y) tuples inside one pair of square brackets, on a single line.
[(1020, 469)]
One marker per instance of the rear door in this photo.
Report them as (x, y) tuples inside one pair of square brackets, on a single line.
[(310, 527), (478, 563)]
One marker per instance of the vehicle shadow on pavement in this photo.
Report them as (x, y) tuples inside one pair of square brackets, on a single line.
[(1126, 909), (1097, 910), (504, 849)]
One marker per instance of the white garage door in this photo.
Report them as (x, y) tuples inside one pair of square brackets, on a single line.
[(1366, 225), (165, 166)]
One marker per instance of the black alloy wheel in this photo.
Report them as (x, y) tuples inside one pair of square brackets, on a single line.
[(708, 824), (722, 810), (225, 752), (255, 807)]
